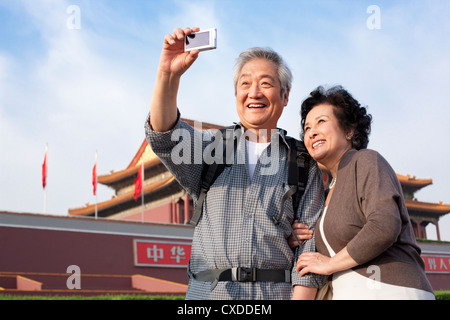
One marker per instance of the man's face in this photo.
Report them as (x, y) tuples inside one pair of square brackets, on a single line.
[(258, 95)]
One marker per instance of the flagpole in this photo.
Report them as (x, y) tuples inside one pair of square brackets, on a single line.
[(142, 190), (45, 200)]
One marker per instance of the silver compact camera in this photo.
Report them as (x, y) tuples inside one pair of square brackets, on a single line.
[(203, 40)]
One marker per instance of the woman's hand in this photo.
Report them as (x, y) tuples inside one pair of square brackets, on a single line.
[(313, 262), (173, 58), (302, 232)]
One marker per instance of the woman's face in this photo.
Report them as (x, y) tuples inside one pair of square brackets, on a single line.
[(324, 137)]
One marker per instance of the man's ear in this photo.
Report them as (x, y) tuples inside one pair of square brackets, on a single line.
[(286, 97)]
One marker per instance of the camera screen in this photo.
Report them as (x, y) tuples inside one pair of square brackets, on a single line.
[(197, 39)]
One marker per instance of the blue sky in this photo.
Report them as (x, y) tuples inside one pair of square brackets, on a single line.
[(89, 89)]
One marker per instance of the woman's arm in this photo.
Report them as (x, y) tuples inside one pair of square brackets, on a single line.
[(380, 199)]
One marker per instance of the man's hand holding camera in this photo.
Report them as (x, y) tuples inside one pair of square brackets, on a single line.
[(174, 60)]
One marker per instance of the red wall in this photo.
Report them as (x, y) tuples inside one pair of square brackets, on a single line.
[(28, 245), (51, 251)]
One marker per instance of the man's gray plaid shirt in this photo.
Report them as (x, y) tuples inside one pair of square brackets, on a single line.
[(236, 228)]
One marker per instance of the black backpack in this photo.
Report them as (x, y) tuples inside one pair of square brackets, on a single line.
[(298, 161)]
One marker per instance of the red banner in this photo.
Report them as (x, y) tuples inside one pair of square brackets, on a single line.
[(94, 178), (138, 182), (436, 263), (161, 254), (44, 169)]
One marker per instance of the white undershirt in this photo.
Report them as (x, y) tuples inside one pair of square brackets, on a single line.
[(254, 151)]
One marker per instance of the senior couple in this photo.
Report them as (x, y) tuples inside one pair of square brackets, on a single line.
[(355, 236)]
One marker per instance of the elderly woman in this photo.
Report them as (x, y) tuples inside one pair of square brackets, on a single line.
[(364, 237)]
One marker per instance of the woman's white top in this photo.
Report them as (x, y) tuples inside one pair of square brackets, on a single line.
[(350, 285)]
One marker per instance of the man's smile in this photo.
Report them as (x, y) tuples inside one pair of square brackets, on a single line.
[(256, 106)]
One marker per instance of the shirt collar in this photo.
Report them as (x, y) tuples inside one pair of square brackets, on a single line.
[(281, 133)]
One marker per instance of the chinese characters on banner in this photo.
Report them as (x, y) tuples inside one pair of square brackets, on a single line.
[(177, 254), (161, 254), (436, 264)]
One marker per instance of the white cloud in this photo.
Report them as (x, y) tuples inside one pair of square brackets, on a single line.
[(206, 92), (4, 63), (77, 101)]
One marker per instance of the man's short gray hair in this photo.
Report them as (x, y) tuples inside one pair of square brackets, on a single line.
[(284, 73)]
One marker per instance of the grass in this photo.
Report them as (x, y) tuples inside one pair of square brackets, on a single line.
[(100, 297), (440, 295)]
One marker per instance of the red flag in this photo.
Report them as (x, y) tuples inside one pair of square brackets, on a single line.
[(138, 183), (94, 176), (44, 169)]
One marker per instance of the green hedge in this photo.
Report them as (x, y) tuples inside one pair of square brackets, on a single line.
[(442, 295)]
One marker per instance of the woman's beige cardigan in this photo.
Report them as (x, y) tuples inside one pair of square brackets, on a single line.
[(367, 213)]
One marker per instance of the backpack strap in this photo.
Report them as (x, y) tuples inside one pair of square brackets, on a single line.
[(298, 171), (211, 172)]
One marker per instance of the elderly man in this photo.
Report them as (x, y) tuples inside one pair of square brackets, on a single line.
[(236, 234)]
